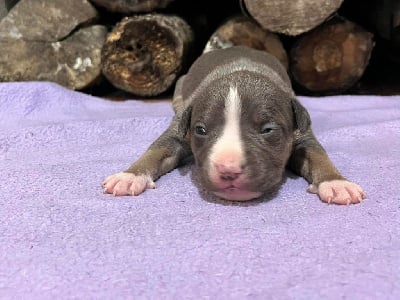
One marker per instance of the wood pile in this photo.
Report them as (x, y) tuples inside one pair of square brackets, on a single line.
[(326, 46), (42, 40)]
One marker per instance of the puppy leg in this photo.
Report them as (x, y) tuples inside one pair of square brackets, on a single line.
[(169, 150), (310, 160)]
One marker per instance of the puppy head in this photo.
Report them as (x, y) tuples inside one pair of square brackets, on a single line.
[(241, 134), (241, 127)]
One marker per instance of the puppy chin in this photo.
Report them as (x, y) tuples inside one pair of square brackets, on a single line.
[(235, 194)]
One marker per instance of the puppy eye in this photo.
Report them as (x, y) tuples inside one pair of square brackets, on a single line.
[(200, 130), (268, 128)]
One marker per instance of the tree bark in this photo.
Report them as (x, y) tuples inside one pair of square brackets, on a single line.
[(291, 17), (145, 54), (244, 31), (132, 6), (331, 58)]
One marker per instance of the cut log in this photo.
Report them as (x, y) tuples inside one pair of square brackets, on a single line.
[(73, 62), (331, 58), (145, 54), (46, 21), (290, 17), (244, 31), (132, 6), (40, 42)]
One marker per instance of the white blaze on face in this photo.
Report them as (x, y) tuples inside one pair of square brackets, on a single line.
[(227, 153)]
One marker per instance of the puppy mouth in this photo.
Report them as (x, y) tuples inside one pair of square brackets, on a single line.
[(233, 190), (235, 193)]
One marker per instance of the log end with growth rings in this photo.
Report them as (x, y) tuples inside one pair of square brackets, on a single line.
[(145, 54)]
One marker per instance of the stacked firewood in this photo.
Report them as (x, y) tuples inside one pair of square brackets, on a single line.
[(323, 51), (325, 46)]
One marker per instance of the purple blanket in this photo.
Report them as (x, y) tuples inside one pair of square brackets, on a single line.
[(62, 238)]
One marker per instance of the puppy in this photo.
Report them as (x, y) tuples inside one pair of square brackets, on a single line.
[(236, 114)]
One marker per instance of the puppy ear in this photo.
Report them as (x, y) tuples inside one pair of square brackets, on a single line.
[(302, 120), (186, 117), (177, 99), (182, 114)]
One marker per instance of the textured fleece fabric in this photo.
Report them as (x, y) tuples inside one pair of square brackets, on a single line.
[(62, 238)]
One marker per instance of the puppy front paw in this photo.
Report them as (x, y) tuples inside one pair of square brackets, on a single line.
[(122, 184), (338, 191)]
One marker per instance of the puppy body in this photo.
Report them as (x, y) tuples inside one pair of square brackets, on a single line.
[(237, 115)]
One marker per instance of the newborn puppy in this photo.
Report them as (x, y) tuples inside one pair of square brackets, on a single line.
[(237, 115)]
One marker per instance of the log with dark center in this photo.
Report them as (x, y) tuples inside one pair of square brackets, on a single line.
[(145, 54)]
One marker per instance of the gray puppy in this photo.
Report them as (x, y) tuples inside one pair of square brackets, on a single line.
[(237, 115)]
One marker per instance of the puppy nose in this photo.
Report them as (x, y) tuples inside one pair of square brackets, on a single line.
[(229, 176), (228, 171)]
